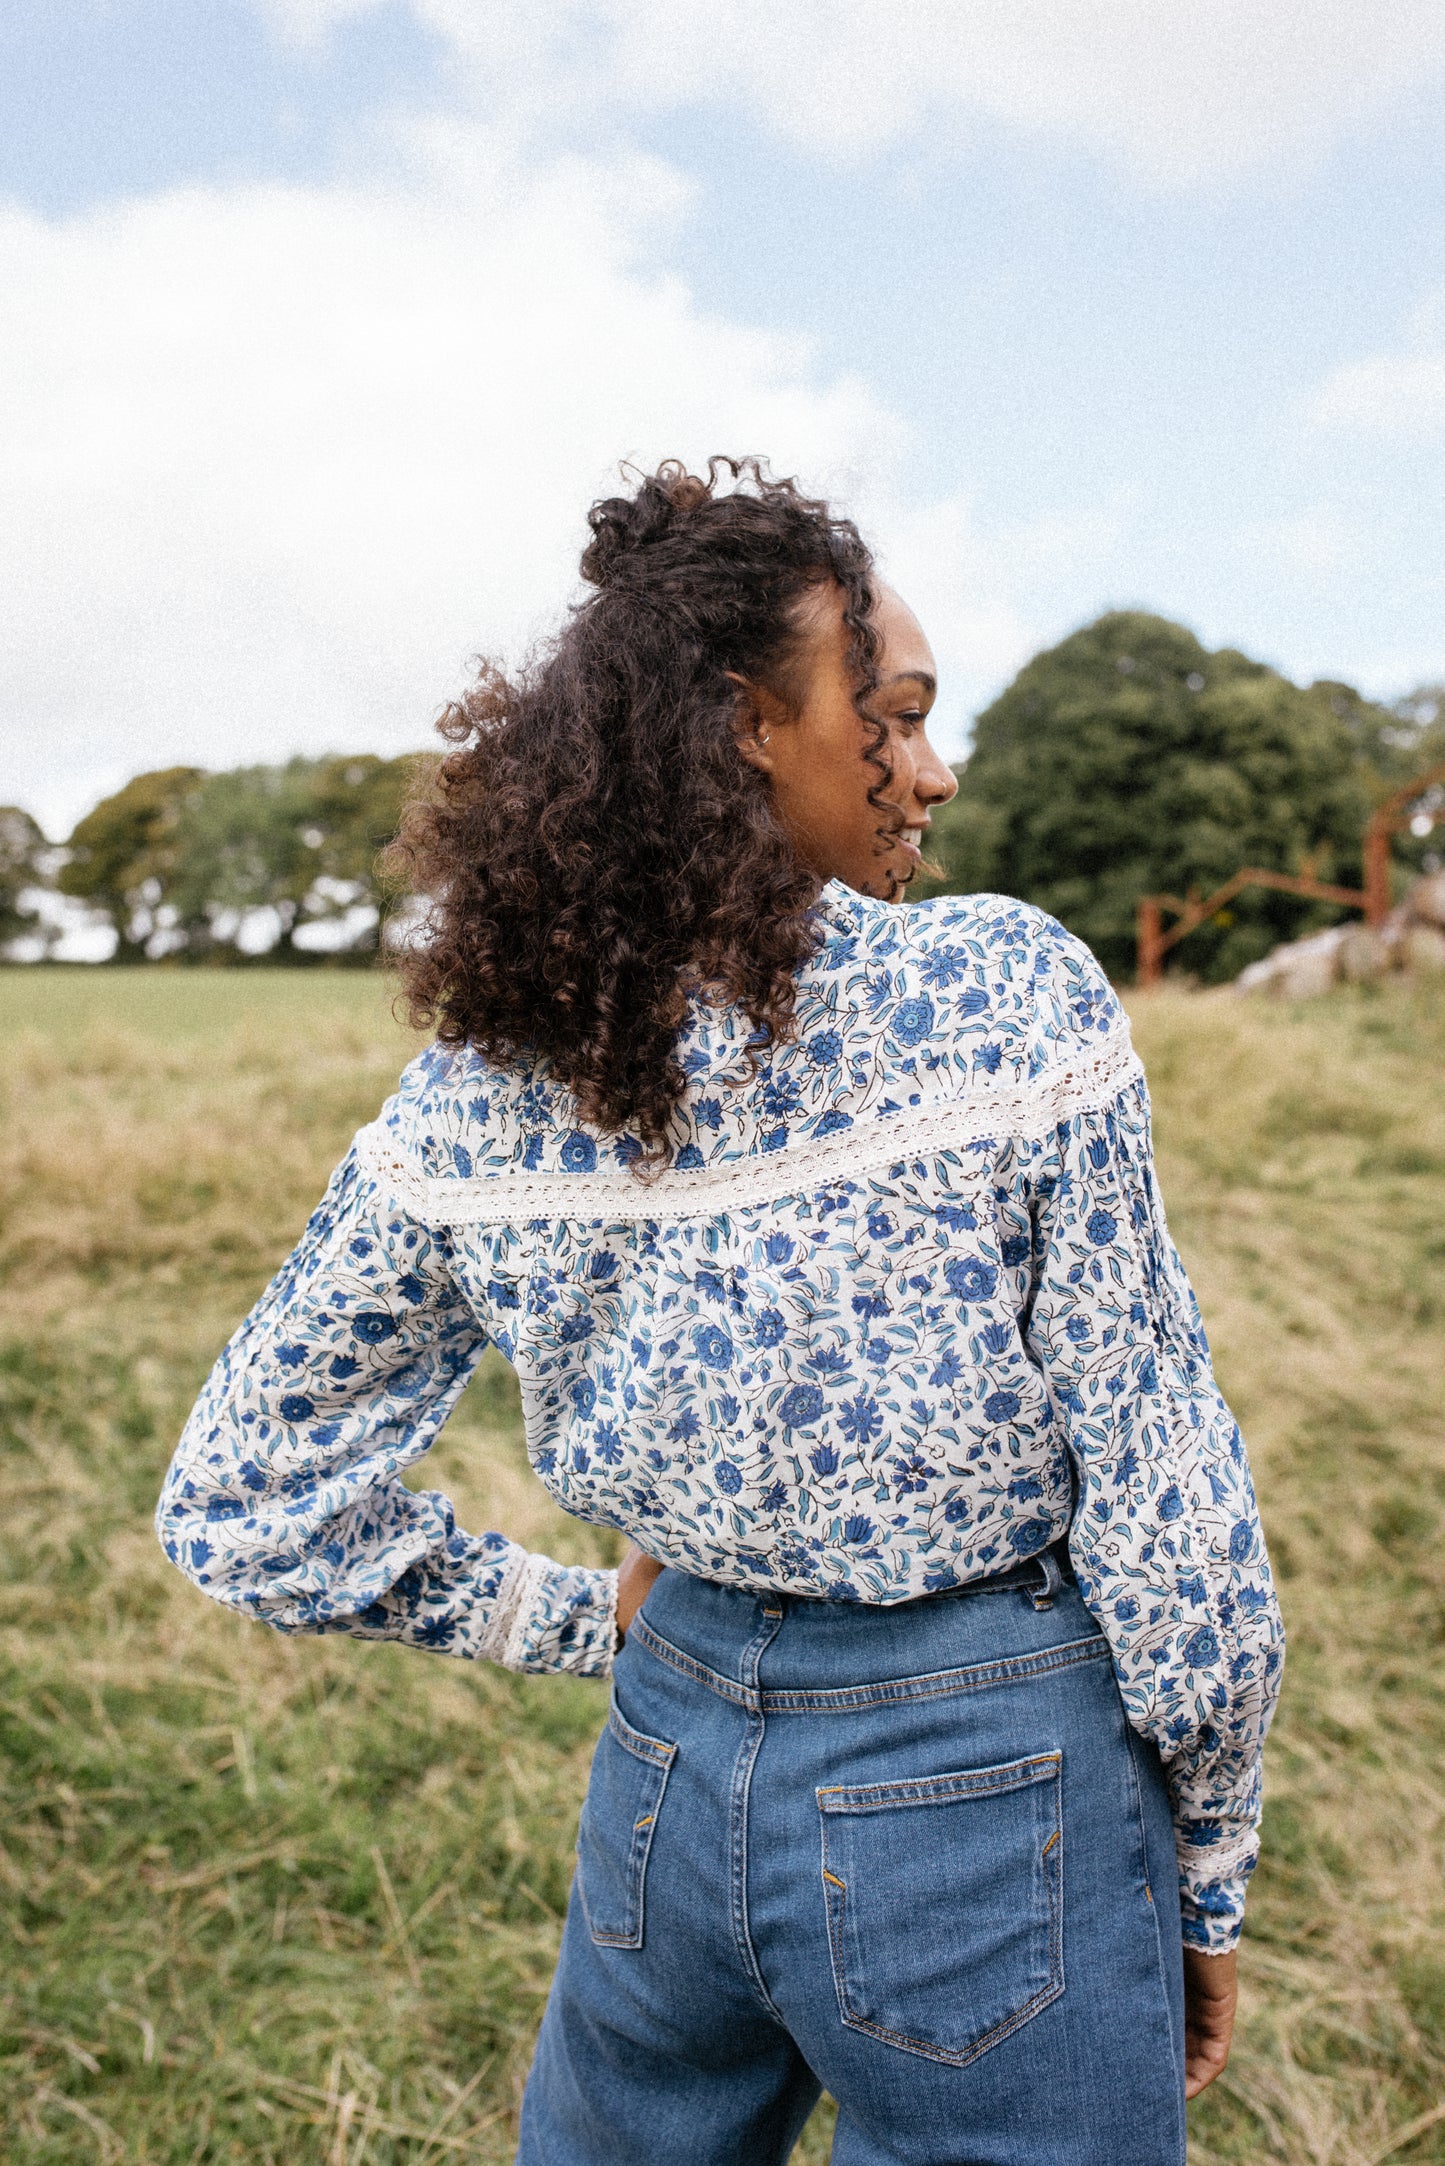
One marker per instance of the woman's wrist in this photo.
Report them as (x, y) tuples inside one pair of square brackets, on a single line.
[(635, 1577)]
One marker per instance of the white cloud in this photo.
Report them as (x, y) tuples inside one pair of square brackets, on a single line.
[(1314, 543), (1395, 396), (280, 459), (1181, 92), (307, 23), (972, 589)]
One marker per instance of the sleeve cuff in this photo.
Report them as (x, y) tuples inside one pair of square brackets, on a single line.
[(1211, 1904), (550, 1617)]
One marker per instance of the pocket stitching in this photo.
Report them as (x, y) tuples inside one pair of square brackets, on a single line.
[(655, 1750), (930, 1789), (657, 1754), (1048, 1766)]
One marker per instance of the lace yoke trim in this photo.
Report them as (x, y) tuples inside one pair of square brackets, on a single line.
[(967, 1120)]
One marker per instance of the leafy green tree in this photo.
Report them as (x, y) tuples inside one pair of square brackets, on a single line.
[(359, 803), (23, 868), (193, 865), (1418, 743), (298, 842), (240, 849), (1419, 734), (122, 856), (1129, 760)]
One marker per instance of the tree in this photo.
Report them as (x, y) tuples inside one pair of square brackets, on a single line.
[(123, 854), (286, 851), (241, 850), (1419, 732), (23, 868), (1129, 760), (272, 859), (1418, 744), (359, 803)]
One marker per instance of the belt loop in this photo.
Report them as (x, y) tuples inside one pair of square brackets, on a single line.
[(1053, 1579)]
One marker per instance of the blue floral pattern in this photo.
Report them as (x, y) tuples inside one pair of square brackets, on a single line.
[(901, 1309)]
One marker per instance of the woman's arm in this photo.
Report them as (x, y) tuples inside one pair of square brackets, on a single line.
[(284, 1499), (1166, 1538)]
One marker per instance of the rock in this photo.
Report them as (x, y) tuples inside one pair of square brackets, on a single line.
[(1362, 955), (1300, 971), (1425, 903), (1412, 938), (1422, 949), (1311, 969)]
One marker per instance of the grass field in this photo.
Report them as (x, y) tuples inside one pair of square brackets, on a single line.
[(292, 1901)]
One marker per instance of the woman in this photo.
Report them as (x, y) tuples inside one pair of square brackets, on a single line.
[(823, 1236)]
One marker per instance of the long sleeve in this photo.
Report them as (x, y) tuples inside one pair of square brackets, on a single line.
[(284, 1499), (1165, 1540)]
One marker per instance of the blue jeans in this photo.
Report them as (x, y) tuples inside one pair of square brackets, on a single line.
[(914, 1854)]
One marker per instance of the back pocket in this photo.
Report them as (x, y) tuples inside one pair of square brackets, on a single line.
[(629, 1775), (945, 1905)]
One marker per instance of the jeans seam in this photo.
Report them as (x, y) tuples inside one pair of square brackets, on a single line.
[(1002, 2030), (1131, 1748), (656, 1751), (641, 1631), (738, 1806), (953, 1788)]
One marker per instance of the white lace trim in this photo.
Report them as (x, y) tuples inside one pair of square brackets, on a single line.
[(1029, 1110), (610, 1626), (1217, 1861), (509, 1607), (529, 1587)]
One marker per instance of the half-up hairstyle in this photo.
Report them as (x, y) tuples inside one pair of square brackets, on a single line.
[(596, 849)]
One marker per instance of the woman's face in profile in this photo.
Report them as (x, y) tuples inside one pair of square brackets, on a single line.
[(814, 753)]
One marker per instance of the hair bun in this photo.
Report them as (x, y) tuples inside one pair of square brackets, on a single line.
[(686, 491), (622, 526)]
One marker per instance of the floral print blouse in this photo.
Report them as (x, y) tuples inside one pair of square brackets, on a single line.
[(900, 1310)]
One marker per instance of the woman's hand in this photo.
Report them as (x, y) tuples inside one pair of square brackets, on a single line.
[(635, 1576), (1210, 1992)]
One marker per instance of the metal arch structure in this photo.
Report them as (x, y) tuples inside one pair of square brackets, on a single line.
[(1373, 899)]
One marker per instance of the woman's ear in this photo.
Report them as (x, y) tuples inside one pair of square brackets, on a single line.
[(756, 713)]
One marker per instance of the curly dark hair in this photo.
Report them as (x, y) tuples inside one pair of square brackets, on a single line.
[(597, 850)]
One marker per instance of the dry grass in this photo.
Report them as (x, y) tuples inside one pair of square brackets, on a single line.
[(291, 1901), (1303, 1158)]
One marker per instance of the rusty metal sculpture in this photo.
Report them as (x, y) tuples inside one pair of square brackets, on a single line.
[(1373, 899)]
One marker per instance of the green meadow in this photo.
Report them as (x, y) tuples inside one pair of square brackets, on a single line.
[(290, 1901)]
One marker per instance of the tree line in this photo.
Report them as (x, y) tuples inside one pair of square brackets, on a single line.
[(182, 865), (1128, 759)]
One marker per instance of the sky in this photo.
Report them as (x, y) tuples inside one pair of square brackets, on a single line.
[(323, 321)]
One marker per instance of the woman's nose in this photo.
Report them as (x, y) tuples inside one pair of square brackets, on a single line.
[(935, 782)]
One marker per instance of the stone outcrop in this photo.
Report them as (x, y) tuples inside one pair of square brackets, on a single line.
[(1411, 939)]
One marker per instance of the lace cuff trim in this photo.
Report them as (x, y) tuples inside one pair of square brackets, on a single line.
[(609, 1647), (510, 1607), (1217, 1861), (967, 1121)]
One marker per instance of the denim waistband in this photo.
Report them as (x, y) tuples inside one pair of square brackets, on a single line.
[(1043, 1576), (1045, 1573)]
